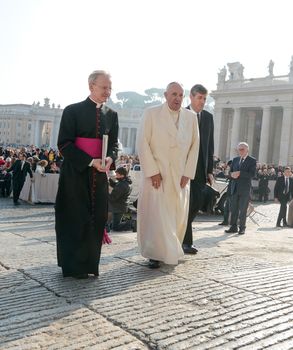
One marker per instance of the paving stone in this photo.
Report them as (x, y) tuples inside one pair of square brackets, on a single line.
[(236, 293)]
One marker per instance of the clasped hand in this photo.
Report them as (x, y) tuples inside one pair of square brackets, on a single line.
[(97, 163), (235, 174)]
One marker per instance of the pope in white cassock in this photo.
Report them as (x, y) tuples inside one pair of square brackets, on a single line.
[(167, 144)]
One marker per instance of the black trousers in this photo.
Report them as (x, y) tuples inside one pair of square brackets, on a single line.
[(118, 225), (17, 187), (263, 194), (195, 200), (239, 205), (227, 209), (283, 212), (195, 204)]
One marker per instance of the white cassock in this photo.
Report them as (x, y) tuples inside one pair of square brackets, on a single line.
[(171, 150)]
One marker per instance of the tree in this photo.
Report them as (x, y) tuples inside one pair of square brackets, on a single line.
[(132, 99), (156, 95)]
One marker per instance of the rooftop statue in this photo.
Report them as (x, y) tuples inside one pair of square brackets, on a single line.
[(222, 75), (236, 71), (271, 68)]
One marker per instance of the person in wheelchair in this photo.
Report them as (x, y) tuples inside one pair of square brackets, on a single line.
[(119, 199)]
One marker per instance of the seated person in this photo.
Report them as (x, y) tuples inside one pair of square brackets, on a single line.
[(119, 199), (41, 167), (53, 168)]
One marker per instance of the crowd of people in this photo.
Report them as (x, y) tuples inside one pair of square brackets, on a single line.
[(15, 160)]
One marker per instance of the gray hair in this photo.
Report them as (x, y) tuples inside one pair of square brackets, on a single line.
[(95, 74), (245, 144), (198, 88), (174, 83)]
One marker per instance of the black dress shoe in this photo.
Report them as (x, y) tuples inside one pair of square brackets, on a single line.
[(223, 223), (189, 249), (81, 276), (241, 232), (231, 230), (154, 264), (278, 225)]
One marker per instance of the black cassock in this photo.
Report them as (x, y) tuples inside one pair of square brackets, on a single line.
[(81, 204)]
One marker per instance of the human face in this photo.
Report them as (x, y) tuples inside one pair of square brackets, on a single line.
[(101, 89), (174, 96), (242, 151), (287, 172), (198, 101), (119, 176)]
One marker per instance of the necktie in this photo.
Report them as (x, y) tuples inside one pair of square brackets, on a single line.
[(198, 117), (22, 164), (286, 185), (241, 162)]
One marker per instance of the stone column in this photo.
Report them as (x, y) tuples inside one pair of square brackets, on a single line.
[(285, 136), (235, 132), (264, 135), (218, 121), (54, 132), (250, 130), (128, 137), (37, 133), (56, 127)]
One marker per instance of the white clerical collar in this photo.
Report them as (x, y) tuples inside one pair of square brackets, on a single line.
[(192, 110), (98, 105)]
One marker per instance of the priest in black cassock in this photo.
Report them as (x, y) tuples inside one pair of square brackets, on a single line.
[(81, 204)]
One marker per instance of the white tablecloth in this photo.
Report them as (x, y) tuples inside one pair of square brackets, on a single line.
[(42, 190)]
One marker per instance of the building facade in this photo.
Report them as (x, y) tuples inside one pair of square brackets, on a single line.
[(22, 124), (258, 111), (129, 120)]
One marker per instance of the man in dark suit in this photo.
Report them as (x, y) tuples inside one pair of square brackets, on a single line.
[(20, 169), (283, 192), (242, 171), (204, 169)]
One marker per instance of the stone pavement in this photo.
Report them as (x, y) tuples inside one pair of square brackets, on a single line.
[(236, 293)]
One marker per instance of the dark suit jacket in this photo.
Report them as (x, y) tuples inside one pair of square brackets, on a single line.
[(19, 174), (242, 185), (280, 187), (206, 148)]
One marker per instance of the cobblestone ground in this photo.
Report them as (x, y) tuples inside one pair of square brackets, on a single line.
[(236, 293)]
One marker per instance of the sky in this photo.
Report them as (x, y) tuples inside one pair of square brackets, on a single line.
[(49, 47)]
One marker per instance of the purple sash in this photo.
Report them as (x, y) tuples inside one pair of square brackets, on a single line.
[(93, 147)]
